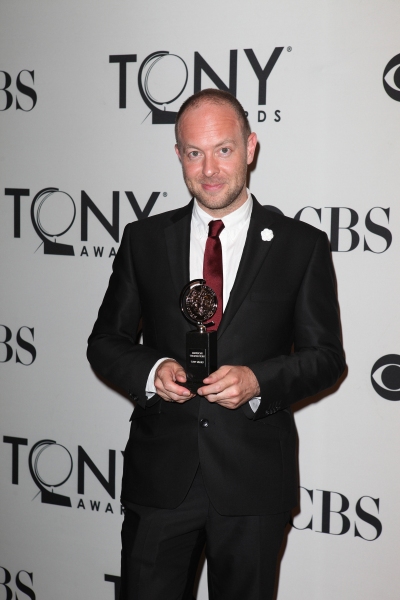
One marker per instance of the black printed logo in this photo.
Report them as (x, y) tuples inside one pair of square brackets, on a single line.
[(162, 79), (53, 213), (385, 377), (50, 465), (391, 78)]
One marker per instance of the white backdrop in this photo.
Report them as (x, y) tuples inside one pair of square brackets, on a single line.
[(329, 139)]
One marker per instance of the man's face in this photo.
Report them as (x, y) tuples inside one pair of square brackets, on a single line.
[(214, 156)]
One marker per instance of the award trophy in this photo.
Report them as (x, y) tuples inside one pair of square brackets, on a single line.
[(199, 303)]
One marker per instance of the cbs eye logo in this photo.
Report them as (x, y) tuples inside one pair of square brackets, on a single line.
[(391, 78), (385, 377)]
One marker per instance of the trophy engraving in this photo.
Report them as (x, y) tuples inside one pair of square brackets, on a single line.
[(199, 303)]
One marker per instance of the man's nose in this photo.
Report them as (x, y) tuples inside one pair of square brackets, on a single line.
[(210, 165)]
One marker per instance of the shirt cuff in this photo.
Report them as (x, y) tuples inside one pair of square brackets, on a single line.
[(150, 387)]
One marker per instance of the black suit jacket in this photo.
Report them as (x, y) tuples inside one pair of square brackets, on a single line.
[(281, 320)]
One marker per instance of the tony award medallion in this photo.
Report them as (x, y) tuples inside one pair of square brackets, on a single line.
[(199, 304)]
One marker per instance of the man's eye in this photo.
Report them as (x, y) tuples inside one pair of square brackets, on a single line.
[(194, 154), (225, 151)]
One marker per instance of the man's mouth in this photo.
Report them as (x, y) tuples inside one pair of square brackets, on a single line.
[(212, 187)]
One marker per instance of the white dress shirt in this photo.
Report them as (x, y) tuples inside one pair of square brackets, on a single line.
[(233, 238)]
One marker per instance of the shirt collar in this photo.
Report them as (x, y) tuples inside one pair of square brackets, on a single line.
[(233, 222)]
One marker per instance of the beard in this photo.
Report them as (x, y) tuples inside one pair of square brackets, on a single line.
[(225, 198)]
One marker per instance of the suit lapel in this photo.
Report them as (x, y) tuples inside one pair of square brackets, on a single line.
[(254, 254), (177, 237)]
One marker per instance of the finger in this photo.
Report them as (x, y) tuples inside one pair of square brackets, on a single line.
[(170, 396), (169, 377), (174, 398), (218, 387), (230, 403), (166, 382), (179, 399), (172, 388), (217, 375), (180, 376)]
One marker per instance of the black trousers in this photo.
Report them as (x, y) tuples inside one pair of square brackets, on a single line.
[(161, 550)]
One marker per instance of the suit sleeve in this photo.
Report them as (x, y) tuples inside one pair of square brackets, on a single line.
[(318, 359), (113, 350)]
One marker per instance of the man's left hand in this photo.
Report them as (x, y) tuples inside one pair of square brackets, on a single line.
[(230, 386)]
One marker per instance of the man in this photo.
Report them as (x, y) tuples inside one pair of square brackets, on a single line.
[(217, 467)]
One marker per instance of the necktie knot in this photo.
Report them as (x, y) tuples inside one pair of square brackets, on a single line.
[(215, 228)]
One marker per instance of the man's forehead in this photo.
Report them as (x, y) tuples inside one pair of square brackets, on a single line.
[(207, 108), (209, 118)]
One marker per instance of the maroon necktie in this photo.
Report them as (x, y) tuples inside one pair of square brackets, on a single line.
[(212, 268)]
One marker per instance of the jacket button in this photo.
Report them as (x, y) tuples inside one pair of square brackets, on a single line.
[(204, 422)]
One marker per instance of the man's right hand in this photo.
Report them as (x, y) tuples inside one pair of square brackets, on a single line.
[(167, 374)]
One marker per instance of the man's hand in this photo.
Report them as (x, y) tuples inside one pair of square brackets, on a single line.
[(230, 386), (167, 373)]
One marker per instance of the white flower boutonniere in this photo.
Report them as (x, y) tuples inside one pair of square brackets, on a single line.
[(267, 235)]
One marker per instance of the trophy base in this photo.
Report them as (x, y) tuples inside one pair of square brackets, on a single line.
[(201, 358)]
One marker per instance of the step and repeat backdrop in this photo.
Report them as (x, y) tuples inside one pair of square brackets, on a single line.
[(88, 95)]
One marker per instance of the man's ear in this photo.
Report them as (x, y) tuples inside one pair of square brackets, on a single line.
[(251, 147), (177, 152)]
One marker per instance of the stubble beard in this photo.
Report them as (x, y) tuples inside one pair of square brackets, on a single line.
[(222, 202)]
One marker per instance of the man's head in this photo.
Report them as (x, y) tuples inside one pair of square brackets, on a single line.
[(214, 145), (214, 96)]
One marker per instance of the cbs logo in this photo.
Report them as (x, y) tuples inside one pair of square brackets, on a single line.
[(385, 377), (391, 78)]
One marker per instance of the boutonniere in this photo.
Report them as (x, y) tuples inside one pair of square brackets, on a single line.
[(267, 235)]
